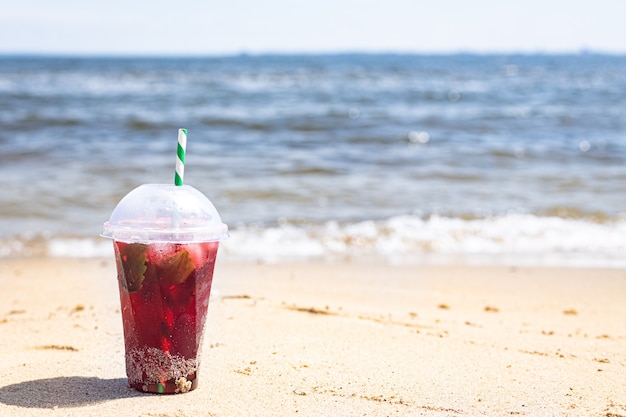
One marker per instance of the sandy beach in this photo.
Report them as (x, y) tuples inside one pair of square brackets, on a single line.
[(309, 339)]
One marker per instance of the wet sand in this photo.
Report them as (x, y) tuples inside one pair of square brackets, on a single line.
[(307, 339)]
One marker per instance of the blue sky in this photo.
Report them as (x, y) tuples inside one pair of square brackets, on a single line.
[(184, 27)]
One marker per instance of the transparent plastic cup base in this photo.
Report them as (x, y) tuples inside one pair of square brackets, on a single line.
[(165, 239)]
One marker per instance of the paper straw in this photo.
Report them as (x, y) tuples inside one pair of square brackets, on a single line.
[(180, 157)]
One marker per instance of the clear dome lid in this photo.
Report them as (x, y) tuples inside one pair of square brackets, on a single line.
[(165, 213)]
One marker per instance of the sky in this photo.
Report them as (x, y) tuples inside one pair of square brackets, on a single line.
[(224, 27)]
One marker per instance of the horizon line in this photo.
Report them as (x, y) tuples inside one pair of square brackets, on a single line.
[(232, 54)]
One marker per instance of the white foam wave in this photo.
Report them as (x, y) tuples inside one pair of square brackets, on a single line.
[(513, 239), (80, 248)]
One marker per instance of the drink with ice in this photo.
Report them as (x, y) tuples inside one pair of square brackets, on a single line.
[(164, 294), (165, 240)]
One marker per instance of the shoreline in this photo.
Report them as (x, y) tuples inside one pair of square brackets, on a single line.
[(329, 339), (515, 239)]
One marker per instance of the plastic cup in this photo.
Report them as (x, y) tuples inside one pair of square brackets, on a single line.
[(165, 239)]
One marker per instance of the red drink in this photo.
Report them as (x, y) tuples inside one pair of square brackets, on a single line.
[(165, 239), (164, 294)]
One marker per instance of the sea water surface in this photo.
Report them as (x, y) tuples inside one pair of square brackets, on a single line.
[(402, 158)]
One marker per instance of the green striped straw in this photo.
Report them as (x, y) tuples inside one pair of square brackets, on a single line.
[(180, 157)]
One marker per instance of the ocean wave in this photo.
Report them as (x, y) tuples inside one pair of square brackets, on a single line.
[(512, 239)]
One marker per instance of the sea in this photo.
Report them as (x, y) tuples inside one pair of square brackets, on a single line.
[(398, 158)]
